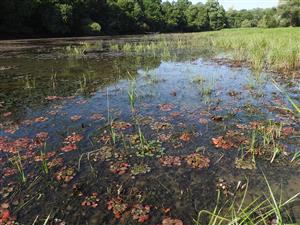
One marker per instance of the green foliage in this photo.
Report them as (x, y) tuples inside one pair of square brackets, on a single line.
[(90, 27), (197, 17), (246, 23), (268, 21), (92, 17), (289, 13), (216, 14)]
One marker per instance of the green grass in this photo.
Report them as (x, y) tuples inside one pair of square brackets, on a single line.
[(132, 94), (291, 101), (273, 49), (17, 163), (276, 49), (258, 212)]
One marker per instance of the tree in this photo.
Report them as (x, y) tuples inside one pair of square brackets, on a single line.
[(246, 23), (216, 15), (56, 18), (197, 17), (153, 14), (289, 12)]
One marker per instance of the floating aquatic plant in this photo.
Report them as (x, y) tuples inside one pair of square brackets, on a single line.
[(197, 161)]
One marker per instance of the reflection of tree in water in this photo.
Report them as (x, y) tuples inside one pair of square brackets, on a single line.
[(63, 78)]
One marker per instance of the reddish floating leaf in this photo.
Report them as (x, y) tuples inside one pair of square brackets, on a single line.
[(140, 213), (220, 142), (166, 107), (51, 98), (7, 114), (203, 121), (91, 201), (170, 221), (119, 168), (40, 119), (170, 161), (69, 148), (185, 137), (198, 161), (75, 118), (117, 206), (97, 116)]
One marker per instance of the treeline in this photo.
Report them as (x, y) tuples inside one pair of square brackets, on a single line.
[(91, 17)]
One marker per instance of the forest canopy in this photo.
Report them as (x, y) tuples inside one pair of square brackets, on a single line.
[(93, 17)]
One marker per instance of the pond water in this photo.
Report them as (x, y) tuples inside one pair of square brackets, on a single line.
[(116, 138)]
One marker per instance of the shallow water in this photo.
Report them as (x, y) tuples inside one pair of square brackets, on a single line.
[(181, 104)]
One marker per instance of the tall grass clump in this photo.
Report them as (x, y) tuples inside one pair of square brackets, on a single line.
[(277, 49), (262, 210), (78, 50), (17, 163)]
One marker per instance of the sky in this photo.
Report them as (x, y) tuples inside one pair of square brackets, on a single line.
[(245, 4)]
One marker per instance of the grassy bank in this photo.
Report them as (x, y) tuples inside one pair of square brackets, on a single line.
[(275, 49)]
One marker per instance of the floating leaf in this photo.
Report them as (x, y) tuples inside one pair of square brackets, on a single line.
[(170, 221), (170, 161), (69, 148), (40, 119), (91, 201), (186, 137), (198, 161), (97, 116), (245, 164), (288, 131), (220, 142), (120, 125), (119, 168), (140, 169), (117, 206), (166, 107), (217, 118), (203, 121), (7, 114), (51, 98), (65, 174), (75, 118), (140, 213)]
